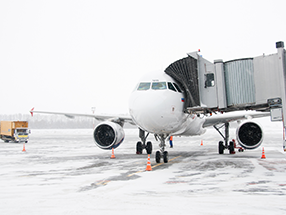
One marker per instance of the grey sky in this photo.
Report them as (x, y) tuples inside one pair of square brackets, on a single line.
[(68, 55)]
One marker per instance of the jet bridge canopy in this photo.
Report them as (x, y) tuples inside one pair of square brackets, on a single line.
[(241, 84), (185, 72)]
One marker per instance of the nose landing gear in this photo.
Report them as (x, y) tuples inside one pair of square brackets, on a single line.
[(141, 145), (162, 153)]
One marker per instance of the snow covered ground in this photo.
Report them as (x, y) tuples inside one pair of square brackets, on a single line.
[(63, 172)]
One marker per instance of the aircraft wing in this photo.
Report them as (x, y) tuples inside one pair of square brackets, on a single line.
[(113, 118), (233, 116)]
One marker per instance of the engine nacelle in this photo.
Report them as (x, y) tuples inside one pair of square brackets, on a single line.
[(249, 135), (108, 135)]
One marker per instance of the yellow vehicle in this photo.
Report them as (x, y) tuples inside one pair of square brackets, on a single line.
[(15, 131)]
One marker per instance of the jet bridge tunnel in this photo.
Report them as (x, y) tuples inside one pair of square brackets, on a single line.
[(256, 83)]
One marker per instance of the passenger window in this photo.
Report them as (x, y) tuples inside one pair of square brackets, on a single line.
[(144, 86), (177, 87), (159, 86), (171, 87)]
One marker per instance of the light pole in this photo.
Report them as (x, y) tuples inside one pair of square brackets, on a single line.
[(93, 110)]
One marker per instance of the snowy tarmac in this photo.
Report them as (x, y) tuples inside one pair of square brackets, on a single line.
[(63, 172)]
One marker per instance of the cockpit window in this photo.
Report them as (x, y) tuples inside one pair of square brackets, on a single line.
[(178, 88), (144, 86), (159, 86), (171, 86)]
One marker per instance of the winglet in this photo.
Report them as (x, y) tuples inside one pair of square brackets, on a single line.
[(32, 111)]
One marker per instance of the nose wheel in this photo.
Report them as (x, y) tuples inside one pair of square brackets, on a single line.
[(162, 153), (159, 155)]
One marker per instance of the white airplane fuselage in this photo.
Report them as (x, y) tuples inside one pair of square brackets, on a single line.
[(156, 106)]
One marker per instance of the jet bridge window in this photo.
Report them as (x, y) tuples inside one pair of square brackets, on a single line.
[(159, 86), (144, 86), (209, 80)]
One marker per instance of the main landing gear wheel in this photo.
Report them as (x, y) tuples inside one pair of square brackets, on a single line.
[(158, 157), (149, 148), (165, 157), (142, 144), (231, 148), (220, 147), (139, 148), (224, 145)]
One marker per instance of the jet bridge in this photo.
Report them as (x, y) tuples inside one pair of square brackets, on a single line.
[(256, 83)]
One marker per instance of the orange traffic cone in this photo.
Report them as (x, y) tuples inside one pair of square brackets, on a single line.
[(263, 154), (148, 167), (112, 156), (24, 150), (202, 143)]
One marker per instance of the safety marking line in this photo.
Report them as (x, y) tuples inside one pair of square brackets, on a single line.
[(159, 164), (103, 182), (175, 157), (175, 182), (135, 173)]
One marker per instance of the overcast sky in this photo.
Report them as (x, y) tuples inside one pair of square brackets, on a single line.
[(66, 55)]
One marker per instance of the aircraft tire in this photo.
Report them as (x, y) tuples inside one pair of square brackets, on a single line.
[(149, 148), (165, 157), (158, 157), (231, 147), (139, 148), (220, 147)]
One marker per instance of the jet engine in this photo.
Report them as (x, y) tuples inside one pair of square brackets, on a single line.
[(108, 135), (249, 135)]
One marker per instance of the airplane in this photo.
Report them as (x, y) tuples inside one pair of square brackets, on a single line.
[(156, 106)]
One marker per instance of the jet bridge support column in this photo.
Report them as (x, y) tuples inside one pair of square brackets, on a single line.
[(282, 74)]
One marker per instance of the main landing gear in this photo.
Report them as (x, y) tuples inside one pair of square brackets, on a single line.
[(221, 145), (141, 145)]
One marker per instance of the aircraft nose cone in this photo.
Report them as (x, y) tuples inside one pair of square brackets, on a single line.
[(145, 113), (152, 112)]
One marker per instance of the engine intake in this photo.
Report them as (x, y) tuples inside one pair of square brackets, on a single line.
[(249, 135), (108, 135)]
